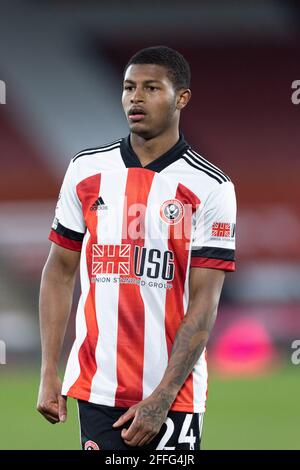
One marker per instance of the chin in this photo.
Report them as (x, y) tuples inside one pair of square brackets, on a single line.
[(144, 133)]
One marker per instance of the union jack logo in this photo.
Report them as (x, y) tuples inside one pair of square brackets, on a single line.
[(220, 229), (111, 259)]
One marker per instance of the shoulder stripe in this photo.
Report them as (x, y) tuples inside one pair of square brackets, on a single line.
[(104, 148), (101, 147), (209, 173), (202, 165), (208, 164)]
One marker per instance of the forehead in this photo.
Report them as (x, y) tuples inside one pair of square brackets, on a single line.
[(147, 72)]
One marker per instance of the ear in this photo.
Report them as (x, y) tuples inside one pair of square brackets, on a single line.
[(183, 97)]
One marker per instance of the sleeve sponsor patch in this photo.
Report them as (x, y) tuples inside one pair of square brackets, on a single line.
[(223, 230)]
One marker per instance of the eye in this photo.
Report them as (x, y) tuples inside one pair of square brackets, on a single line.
[(152, 88), (128, 87)]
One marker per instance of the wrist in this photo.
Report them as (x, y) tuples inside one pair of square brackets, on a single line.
[(49, 370), (165, 395)]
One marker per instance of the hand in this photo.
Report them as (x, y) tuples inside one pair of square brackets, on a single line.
[(51, 404), (149, 416)]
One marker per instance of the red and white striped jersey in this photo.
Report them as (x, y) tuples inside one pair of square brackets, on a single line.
[(139, 230)]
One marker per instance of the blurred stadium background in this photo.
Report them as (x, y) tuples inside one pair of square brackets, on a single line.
[(62, 64)]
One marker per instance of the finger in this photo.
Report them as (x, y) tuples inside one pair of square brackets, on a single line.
[(50, 418), (125, 417), (134, 429), (50, 409), (143, 439), (147, 439), (62, 409), (135, 441)]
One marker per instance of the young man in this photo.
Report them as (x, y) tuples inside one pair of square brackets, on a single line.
[(153, 224)]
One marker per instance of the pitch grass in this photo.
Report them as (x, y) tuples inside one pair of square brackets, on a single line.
[(260, 413)]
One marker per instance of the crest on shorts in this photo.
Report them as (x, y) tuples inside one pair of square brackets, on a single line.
[(91, 445), (172, 211)]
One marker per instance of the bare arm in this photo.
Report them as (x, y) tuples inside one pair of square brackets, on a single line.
[(194, 331), (190, 341), (56, 293)]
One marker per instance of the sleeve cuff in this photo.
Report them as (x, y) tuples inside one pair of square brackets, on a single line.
[(65, 242), (199, 262)]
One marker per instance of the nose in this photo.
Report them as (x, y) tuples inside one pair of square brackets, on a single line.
[(137, 96)]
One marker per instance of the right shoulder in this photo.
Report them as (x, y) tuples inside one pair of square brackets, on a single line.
[(98, 150)]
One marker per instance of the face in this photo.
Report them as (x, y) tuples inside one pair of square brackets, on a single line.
[(150, 101)]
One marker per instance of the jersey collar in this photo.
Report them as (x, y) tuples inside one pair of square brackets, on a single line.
[(130, 158)]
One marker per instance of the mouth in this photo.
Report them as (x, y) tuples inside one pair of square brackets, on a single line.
[(136, 114)]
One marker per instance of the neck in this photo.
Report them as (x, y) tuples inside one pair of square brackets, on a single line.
[(148, 150)]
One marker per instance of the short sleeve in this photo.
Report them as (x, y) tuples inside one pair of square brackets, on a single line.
[(68, 227), (213, 244)]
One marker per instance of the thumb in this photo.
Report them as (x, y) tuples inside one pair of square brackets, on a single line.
[(62, 408)]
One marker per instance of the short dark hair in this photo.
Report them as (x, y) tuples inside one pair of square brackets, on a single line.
[(178, 68)]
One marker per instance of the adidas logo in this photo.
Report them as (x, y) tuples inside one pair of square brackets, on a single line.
[(99, 205)]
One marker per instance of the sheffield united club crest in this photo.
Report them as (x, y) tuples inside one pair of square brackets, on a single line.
[(172, 211), (91, 445)]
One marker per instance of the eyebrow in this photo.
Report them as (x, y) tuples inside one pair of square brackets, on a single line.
[(145, 81)]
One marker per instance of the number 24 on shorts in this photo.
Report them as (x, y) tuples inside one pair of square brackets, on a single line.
[(186, 436)]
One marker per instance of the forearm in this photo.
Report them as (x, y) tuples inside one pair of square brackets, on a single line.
[(190, 341), (55, 305)]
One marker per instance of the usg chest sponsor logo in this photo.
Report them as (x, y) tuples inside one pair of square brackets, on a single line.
[(154, 263), (116, 259)]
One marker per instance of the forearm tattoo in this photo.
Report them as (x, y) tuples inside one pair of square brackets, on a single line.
[(189, 343)]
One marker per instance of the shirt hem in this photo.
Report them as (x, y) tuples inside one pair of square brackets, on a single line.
[(99, 400)]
